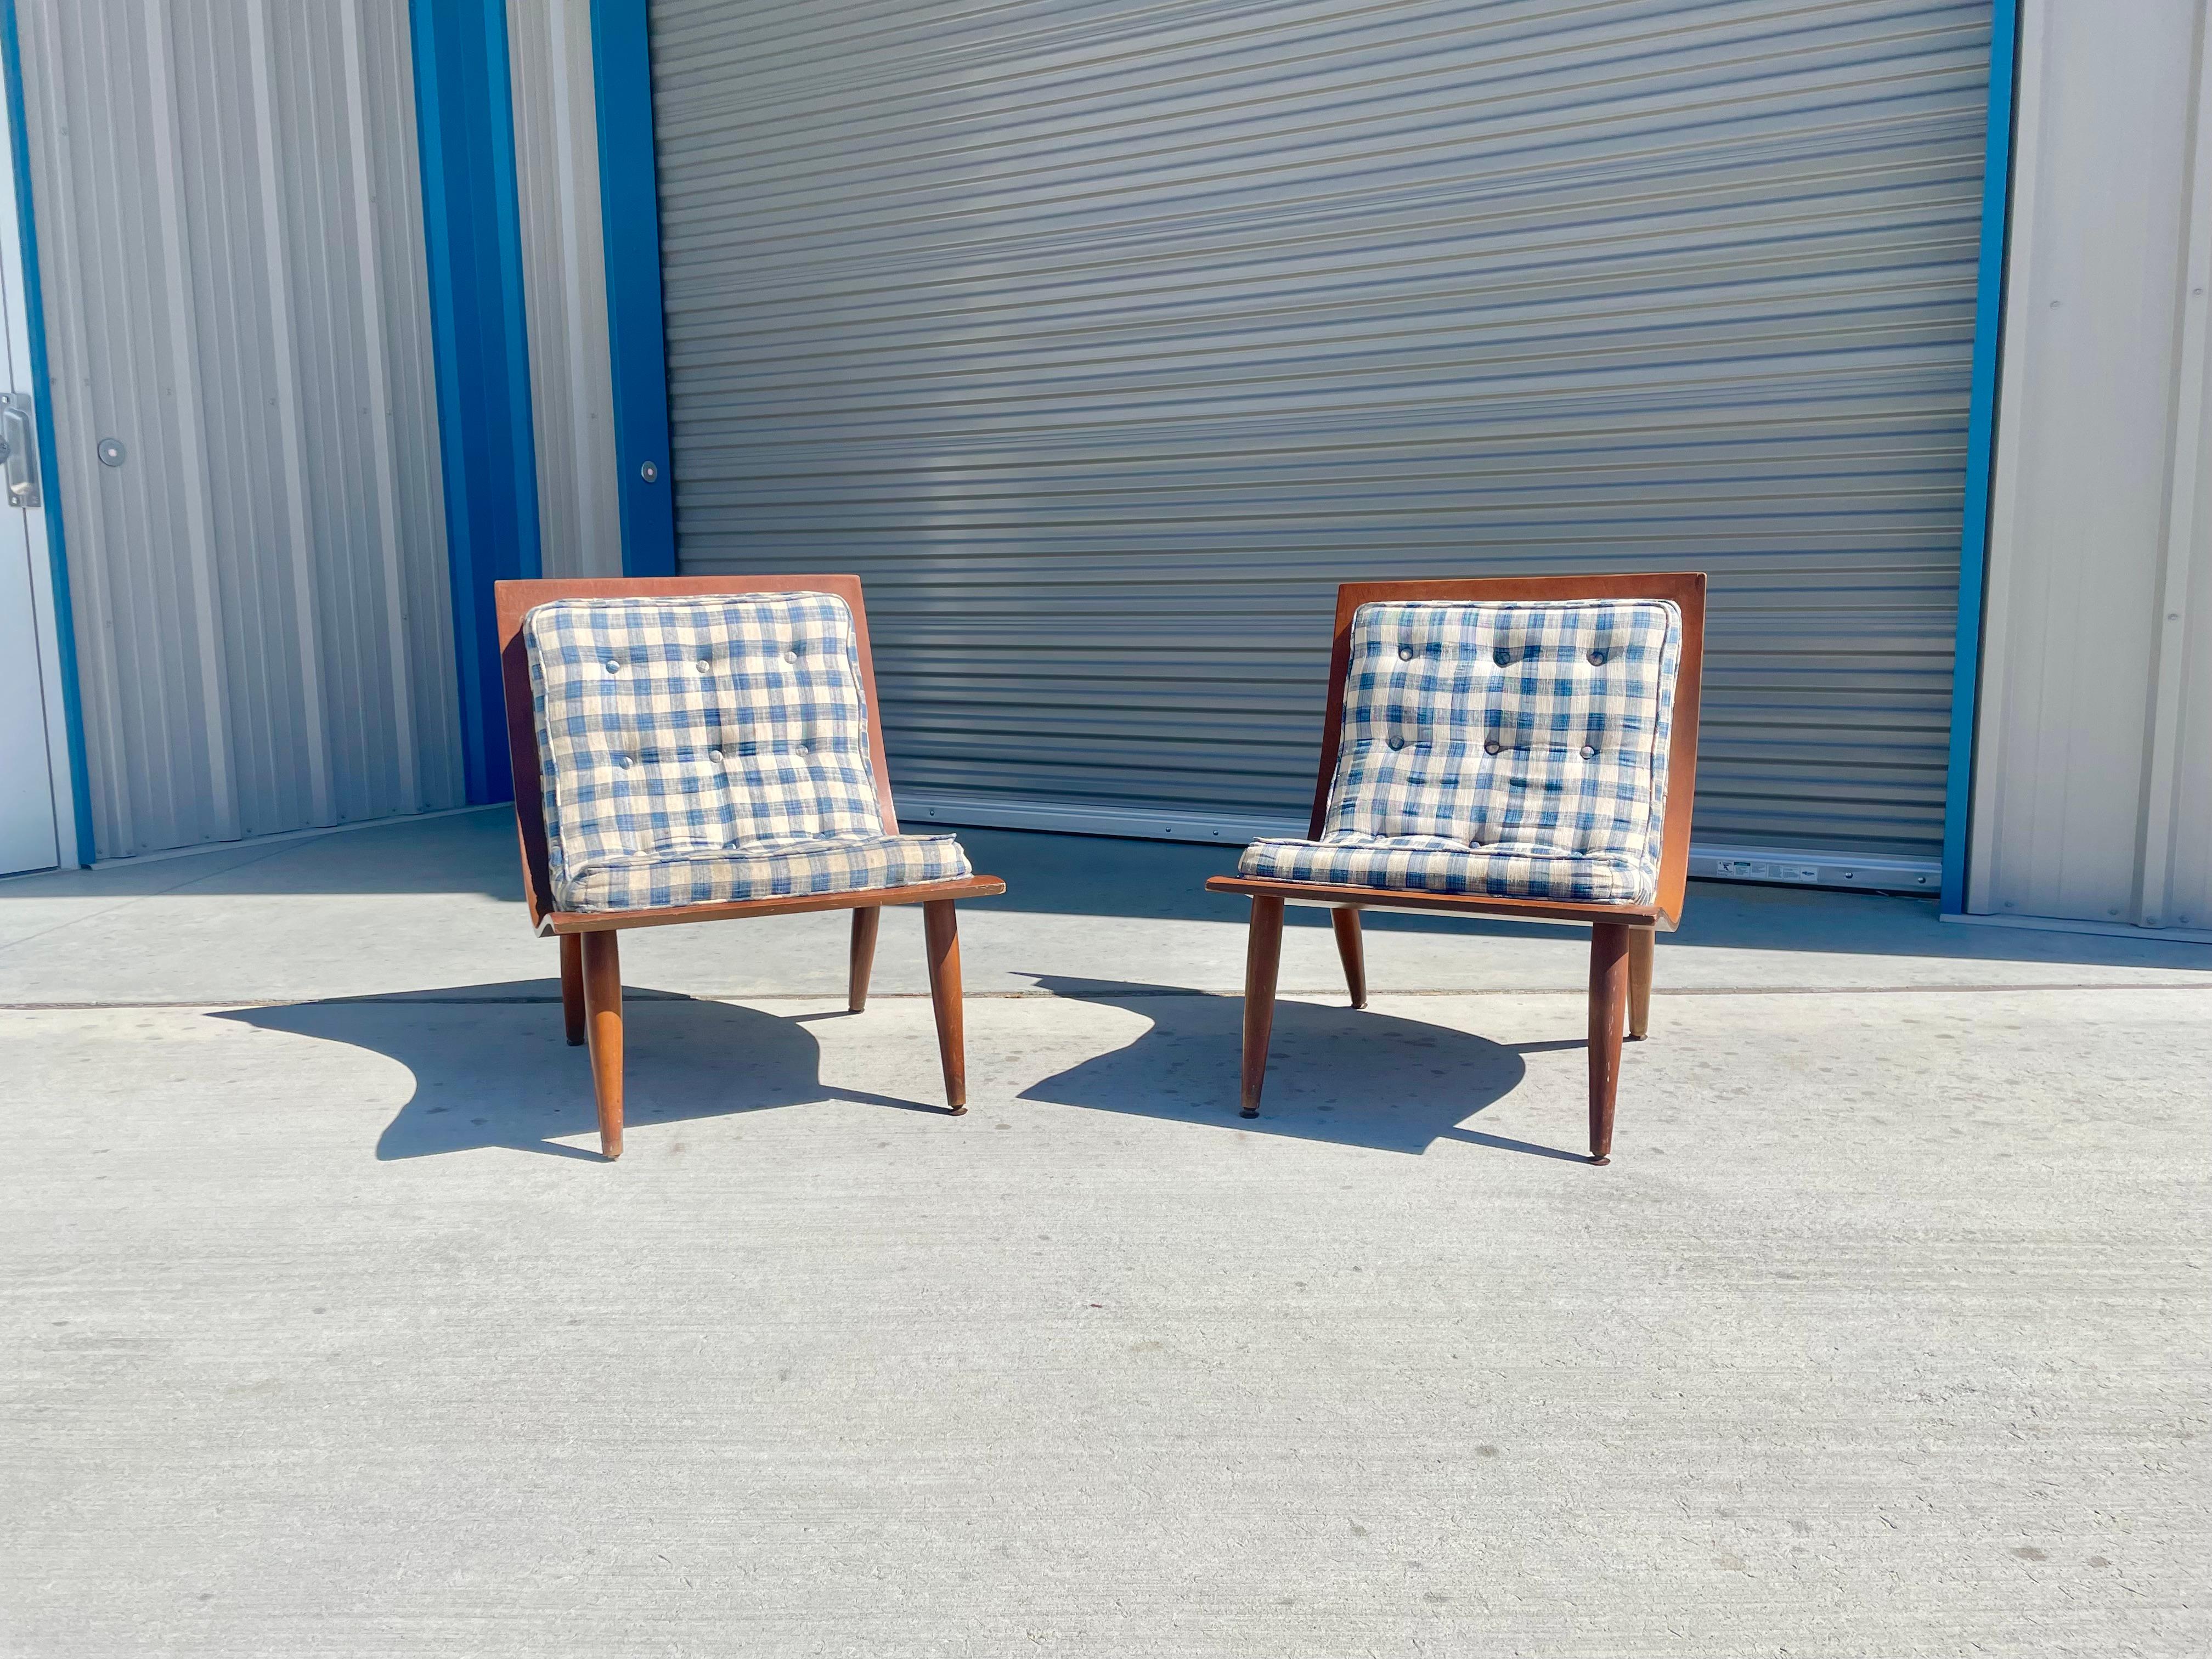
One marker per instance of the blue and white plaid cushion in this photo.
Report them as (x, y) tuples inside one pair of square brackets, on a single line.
[(698, 750), (1513, 750)]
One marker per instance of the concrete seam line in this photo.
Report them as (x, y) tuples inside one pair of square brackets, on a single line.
[(411, 999)]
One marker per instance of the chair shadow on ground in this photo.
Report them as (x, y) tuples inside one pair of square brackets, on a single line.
[(1353, 1077), (492, 1068)]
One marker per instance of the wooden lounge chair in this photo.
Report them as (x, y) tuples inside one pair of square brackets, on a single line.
[(704, 748), (1523, 748)]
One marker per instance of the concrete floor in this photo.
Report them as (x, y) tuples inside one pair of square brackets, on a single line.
[(322, 1331)]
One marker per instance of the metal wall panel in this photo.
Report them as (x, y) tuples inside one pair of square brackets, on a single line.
[(557, 165), (230, 236), (1104, 341), (2093, 763)]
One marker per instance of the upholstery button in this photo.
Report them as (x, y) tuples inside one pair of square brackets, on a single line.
[(627, 763), (1501, 656), (1588, 751), (705, 666), (1493, 746), (791, 656), (1405, 654), (1397, 743), (799, 749), (1596, 657), (613, 668), (714, 754)]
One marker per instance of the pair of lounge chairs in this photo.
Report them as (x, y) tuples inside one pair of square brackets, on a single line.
[(699, 749)]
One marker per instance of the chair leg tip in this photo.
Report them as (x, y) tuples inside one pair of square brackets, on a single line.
[(1600, 1159), (955, 1111), (1634, 1036), (1249, 1111)]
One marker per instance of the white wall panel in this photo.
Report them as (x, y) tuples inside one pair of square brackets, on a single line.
[(230, 238), (2093, 760), (557, 164)]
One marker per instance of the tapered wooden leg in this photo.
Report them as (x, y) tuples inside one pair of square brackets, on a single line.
[(1263, 956), (1346, 921), (864, 923), (941, 932), (603, 1014), (1640, 941), (572, 987), (1608, 1004)]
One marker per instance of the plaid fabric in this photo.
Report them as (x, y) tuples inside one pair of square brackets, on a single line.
[(1518, 750), (843, 864), (699, 750)]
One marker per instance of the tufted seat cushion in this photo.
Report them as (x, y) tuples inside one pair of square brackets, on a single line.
[(694, 750), (1512, 749)]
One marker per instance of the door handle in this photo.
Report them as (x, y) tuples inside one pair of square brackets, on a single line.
[(19, 449)]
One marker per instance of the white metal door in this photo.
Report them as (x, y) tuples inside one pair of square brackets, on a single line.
[(28, 840), (31, 753)]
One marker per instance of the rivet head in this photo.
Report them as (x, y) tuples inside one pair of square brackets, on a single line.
[(1405, 654), (1596, 657), (649, 471), (1397, 743), (1501, 656), (1493, 746)]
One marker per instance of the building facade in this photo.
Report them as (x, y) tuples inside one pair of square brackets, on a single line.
[(1104, 344)]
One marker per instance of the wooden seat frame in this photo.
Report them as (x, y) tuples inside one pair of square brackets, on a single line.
[(1621, 935), (590, 968)]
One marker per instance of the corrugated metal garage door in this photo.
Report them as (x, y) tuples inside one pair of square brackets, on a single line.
[(1104, 341)]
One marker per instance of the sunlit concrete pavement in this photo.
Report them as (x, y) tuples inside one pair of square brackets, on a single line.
[(1885, 1334)]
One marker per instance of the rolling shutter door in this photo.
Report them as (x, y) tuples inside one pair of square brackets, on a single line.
[(1103, 342)]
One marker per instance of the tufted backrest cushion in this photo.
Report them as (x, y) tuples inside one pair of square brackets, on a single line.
[(696, 725), (1539, 725)]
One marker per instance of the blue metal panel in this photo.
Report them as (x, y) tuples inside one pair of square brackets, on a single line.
[(35, 324), (630, 218), (1981, 443), (473, 237)]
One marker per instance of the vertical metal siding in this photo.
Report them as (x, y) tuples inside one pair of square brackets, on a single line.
[(1104, 343), (2188, 845), (231, 248), (557, 165), (2094, 767)]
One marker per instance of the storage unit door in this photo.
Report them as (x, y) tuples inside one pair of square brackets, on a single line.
[(1103, 342)]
